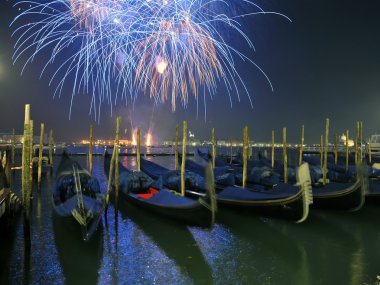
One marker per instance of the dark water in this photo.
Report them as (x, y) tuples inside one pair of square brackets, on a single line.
[(135, 247)]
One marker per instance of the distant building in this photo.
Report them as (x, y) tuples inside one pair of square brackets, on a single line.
[(7, 138)]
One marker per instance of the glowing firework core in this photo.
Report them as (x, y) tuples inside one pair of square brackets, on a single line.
[(161, 66)]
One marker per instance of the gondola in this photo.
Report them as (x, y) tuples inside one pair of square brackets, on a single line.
[(361, 175), (343, 195), (283, 201), (143, 191), (77, 196)]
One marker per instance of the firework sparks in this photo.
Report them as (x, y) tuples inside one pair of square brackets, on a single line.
[(192, 60), (113, 49), (148, 139), (134, 137)]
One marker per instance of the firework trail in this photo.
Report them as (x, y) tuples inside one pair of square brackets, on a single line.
[(117, 49)]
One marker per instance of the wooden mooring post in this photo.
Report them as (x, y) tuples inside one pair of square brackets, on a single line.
[(26, 174), (51, 150), (184, 142), (90, 152), (112, 164), (369, 153), (40, 150), (325, 151), (31, 152), (285, 155), (302, 143), (357, 143), (335, 149), (245, 155), (116, 146)]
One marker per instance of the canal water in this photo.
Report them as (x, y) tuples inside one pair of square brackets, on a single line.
[(136, 247)]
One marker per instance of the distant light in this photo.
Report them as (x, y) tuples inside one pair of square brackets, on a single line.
[(116, 21)]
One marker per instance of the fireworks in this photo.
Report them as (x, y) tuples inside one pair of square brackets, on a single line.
[(116, 49), (134, 139), (148, 139), (177, 57)]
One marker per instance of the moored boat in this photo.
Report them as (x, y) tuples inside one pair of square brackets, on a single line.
[(141, 190), (77, 196), (347, 189), (282, 201), (348, 194)]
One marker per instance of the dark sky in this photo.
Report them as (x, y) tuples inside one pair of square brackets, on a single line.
[(325, 63)]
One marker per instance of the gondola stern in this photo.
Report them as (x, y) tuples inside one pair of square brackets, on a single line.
[(362, 180), (304, 181), (211, 204)]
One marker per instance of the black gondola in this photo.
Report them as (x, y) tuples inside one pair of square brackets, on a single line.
[(338, 172), (347, 195), (77, 195), (140, 189), (283, 201)]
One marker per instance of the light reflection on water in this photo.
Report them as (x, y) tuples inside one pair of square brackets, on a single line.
[(135, 247)]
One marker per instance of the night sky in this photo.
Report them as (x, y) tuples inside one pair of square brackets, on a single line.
[(325, 63)]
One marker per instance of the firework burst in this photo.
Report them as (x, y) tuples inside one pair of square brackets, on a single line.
[(117, 49)]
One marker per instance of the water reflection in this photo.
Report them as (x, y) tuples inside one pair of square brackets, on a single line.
[(173, 238), (328, 247), (364, 227), (80, 260), (7, 242), (243, 249)]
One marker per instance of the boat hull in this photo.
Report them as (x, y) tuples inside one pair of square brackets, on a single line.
[(373, 194), (291, 209), (195, 215), (349, 196)]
